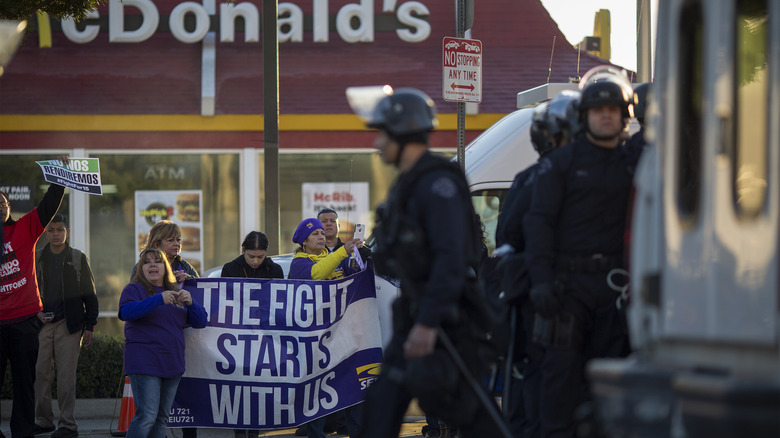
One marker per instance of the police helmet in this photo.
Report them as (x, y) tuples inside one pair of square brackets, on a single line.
[(640, 101), (606, 85), (540, 137), (563, 115), (405, 111), (556, 122)]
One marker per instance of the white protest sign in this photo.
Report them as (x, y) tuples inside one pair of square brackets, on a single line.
[(81, 174)]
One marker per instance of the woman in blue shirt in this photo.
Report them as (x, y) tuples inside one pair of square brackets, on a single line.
[(155, 311)]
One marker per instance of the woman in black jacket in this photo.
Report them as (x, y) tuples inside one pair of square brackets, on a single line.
[(253, 263)]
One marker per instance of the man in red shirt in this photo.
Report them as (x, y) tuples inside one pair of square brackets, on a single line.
[(20, 303)]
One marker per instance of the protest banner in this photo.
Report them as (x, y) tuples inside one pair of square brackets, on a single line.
[(81, 174), (278, 353)]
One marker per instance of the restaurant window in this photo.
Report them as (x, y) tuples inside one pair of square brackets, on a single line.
[(488, 204), (209, 221), (751, 92)]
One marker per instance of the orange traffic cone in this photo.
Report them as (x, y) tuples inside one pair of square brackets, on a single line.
[(127, 412)]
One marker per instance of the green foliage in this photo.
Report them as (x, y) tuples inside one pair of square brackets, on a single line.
[(99, 373), (25, 9), (100, 367)]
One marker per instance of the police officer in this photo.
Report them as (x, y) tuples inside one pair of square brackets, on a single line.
[(426, 236), (574, 238), (553, 124)]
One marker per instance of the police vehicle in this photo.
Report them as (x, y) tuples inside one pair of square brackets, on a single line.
[(704, 310)]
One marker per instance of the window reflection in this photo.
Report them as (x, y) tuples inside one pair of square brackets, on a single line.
[(749, 159), (488, 204), (113, 241)]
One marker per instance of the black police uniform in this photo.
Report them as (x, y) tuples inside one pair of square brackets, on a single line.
[(422, 238), (509, 227), (574, 236), (523, 415)]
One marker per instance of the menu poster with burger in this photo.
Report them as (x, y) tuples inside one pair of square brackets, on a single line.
[(180, 206)]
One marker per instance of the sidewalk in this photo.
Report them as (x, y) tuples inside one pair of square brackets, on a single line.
[(98, 417)]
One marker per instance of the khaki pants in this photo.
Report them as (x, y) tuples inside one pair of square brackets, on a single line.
[(56, 345)]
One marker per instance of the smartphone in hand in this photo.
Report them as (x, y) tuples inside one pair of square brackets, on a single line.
[(360, 232)]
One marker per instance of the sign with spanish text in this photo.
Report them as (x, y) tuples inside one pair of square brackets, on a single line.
[(278, 353), (462, 70), (348, 199), (184, 207), (80, 174)]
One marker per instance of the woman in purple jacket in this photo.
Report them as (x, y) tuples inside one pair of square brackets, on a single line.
[(155, 312)]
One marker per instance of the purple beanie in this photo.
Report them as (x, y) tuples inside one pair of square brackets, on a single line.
[(305, 228)]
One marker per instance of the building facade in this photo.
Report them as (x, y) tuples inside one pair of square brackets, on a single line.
[(168, 95)]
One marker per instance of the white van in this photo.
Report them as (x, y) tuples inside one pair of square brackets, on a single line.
[(705, 304), (492, 161), (502, 151)]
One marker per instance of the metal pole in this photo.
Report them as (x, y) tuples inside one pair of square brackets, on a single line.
[(461, 106), (479, 391), (271, 123), (644, 55)]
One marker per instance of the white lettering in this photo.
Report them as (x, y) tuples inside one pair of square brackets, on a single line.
[(250, 304), (388, 6), (116, 21), (176, 22), (89, 33), (280, 406), (228, 12), (222, 406), (334, 396), (321, 29), (422, 28), (292, 23), (15, 285), (304, 315), (262, 395), (364, 13), (354, 22)]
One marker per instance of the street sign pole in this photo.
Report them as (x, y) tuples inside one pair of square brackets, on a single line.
[(461, 106)]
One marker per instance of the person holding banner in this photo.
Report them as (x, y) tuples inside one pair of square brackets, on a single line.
[(312, 261), (155, 311), (253, 261), (20, 302)]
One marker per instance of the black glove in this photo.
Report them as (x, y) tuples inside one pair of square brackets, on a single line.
[(546, 299)]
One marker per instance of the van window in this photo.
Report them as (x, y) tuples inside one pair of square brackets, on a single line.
[(689, 105), (487, 204), (751, 92)]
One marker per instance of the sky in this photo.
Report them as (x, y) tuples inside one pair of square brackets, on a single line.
[(575, 19)]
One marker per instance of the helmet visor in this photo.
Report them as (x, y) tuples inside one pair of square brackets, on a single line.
[(363, 100)]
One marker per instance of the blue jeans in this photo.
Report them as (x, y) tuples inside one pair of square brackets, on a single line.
[(153, 398)]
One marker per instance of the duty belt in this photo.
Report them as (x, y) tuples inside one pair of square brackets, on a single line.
[(592, 263)]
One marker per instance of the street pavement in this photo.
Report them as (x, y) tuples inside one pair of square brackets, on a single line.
[(99, 417)]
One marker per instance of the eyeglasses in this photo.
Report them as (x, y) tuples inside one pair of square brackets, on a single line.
[(4, 204)]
